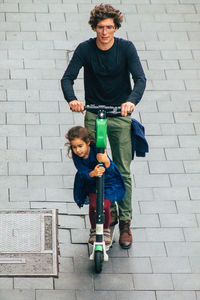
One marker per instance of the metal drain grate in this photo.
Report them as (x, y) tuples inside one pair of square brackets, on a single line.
[(28, 243)]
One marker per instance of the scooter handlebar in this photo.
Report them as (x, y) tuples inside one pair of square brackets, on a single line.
[(113, 111), (96, 108)]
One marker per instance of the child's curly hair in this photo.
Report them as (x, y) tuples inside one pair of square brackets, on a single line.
[(105, 11), (80, 133)]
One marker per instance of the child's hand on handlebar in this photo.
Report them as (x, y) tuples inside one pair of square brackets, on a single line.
[(76, 106), (102, 157), (98, 171)]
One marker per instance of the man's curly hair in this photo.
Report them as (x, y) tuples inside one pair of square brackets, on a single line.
[(105, 11)]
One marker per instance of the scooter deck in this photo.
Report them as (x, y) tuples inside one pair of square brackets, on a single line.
[(107, 247)]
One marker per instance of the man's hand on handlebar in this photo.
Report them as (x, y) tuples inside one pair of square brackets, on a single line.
[(76, 106), (127, 108)]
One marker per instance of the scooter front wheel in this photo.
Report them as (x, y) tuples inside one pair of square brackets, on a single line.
[(98, 260)]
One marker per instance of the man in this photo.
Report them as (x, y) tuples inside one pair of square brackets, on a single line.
[(108, 62)]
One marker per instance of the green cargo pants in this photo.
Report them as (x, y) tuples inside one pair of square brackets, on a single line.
[(119, 135)]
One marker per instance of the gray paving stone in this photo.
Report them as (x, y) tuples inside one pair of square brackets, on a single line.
[(19, 95), (172, 193), (42, 130), (131, 265), (164, 167), (12, 155), (145, 249), (142, 194), (3, 144), (23, 118), (178, 54), (6, 283), (192, 234), (178, 220), (163, 142), (68, 222), (185, 179), (154, 154), (188, 206), (164, 234), (68, 181), (194, 192), (151, 181), (186, 281), (17, 294), (60, 8), (4, 195), (25, 168), (195, 264), (55, 294), (72, 208), (61, 207), (44, 155), (182, 153), (13, 181), (182, 248), (66, 264), (153, 282), (172, 36), (117, 282), (42, 84), (20, 17), (97, 295), (59, 118), (24, 143), (13, 84), (8, 7), (163, 65), (45, 181), (2, 118), (79, 236), (33, 283), (12, 107), (140, 168), (29, 7), (153, 207), (64, 236), (136, 295), (157, 117), (54, 142), (38, 45), (17, 195), (52, 17), (61, 195), (4, 74), (177, 129), (56, 168), (145, 220), (170, 265), (74, 281), (175, 295)]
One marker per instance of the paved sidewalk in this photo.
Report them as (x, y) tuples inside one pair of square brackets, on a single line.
[(37, 38)]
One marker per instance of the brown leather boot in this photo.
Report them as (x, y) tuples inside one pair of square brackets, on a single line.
[(125, 239)]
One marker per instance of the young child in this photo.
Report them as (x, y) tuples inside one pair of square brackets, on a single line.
[(86, 160)]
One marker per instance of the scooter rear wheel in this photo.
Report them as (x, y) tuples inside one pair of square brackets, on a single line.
[(98, 260)]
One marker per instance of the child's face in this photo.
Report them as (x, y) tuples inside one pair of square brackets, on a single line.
[(80, 148)]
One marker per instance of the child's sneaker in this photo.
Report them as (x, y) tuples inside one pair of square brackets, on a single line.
[(92, 237), (107, 237)]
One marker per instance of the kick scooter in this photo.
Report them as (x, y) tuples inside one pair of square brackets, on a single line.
[(99, 248)]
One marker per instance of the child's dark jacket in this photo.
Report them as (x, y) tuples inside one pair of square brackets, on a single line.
[(139, 143), (114, 188)]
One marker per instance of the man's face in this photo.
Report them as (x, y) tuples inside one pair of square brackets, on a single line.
[(105, 30)]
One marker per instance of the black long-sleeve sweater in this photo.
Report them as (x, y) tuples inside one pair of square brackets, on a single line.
[(106, 73)]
